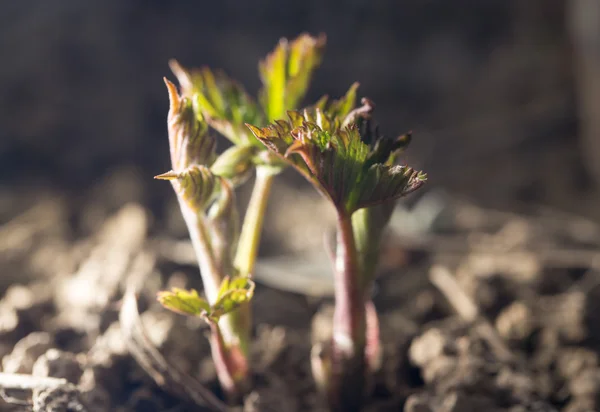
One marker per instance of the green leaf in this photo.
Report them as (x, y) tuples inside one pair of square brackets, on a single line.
[(233, 293), (340, 108), (275, 137), (286, 73), (382, 183), (352, 165), (184, 302), (221, 101), (335, 160), (273, 75), (305, 56)]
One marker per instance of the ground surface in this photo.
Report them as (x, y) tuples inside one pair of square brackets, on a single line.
[(490, 96), (508, 326)]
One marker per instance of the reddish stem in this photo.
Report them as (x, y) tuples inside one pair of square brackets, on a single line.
[(348, 376), (230, 364), (373, 345)]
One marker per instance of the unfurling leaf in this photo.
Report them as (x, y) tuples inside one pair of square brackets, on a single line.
[(276, 137), (351, 164), (196, 185), (189, 140), (233, 293), (382, 183), (341, 108), (224, 103), (286, 72), (184, 302)]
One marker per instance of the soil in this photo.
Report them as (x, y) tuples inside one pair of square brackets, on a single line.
[(490, 311), (490, 95)]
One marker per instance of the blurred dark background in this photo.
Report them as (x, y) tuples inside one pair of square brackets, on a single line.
[(496, 92)]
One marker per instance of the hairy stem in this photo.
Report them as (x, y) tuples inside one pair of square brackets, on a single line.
[(247, 250), (349, 324)]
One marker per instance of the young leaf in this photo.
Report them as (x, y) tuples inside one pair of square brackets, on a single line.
[(189, 140), (224, 103), (286, 72), (352, 165), (339, 108), (275, 137), (382, 183), (233, 293), (305, 56), (196, 185), (184, 302)]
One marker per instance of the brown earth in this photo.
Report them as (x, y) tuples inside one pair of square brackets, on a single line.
[(525, 289)]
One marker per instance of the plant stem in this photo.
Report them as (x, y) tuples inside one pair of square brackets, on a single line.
[(249, 241), (348, 294), (231, 364), (349, 324), (245, 257), (211, 276), (367, 246), (369, 224), (230, 346)]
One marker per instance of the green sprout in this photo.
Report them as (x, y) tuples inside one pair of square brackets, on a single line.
[(336, 148), (205, 184), (226, 106), (334, 145)]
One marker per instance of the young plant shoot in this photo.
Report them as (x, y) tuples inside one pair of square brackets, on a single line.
[(334, 145), (348, 162), (204, 184)]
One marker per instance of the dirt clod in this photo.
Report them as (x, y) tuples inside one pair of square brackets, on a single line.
[(26, 352), (539, 352), (58, 364), (515, 322)]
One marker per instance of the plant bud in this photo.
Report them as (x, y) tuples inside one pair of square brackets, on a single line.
[(196, 186), (189, 140), (235, 164), (350, 166), (184, 76)]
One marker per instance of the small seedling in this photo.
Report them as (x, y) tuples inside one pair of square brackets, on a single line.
[(336, 147), (353, 166), (205, 185)]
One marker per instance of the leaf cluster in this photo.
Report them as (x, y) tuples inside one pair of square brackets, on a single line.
[(232, 293), (225, 104), (335, 147)]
